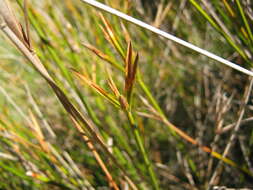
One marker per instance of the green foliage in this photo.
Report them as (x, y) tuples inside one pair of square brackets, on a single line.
[(103, 103)]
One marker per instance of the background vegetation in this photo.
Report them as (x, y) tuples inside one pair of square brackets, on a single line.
[(118, 107)]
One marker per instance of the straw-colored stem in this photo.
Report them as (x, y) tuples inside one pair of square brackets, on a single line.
[(99, 160)]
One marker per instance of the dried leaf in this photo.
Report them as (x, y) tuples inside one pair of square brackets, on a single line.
[(9, 18), (97, 88), (97, 52), (130, 70), (103, 56), (27, 29), (113, 86)]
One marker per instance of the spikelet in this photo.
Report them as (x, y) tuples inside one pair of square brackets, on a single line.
[(9, 18)]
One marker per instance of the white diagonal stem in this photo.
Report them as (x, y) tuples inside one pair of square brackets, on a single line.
[(167, 36)]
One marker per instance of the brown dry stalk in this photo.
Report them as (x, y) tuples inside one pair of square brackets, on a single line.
[(222, 158), (161, 14), (247, 92), (231, 126), (96, 155), (112, 85), (186, 137), (10, 19), (97, 52), (193, 141)]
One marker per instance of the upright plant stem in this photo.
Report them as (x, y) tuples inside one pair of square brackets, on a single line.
[(142, 150)]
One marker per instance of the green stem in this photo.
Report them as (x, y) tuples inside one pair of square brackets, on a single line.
[(140, 144), (70, 80), (149, 95), (216, 27), (244, 20)]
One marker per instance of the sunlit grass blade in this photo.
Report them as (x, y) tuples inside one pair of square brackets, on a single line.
[(245, 20), (103, 56), (111, 35), (97, 88)]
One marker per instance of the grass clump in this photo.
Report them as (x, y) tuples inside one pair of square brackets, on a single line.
[(93, 101)]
